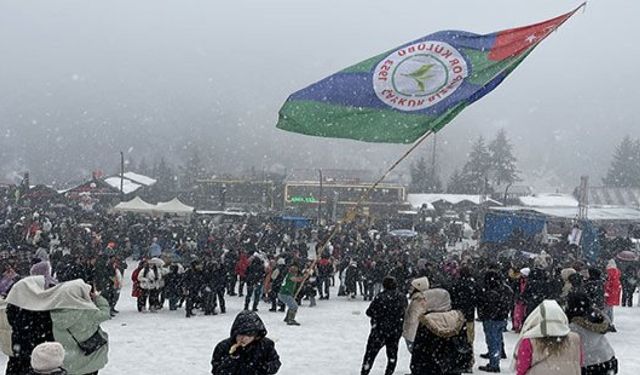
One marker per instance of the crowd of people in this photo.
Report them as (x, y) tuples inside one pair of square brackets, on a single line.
[(418, 290)]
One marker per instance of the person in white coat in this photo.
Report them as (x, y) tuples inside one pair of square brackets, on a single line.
[(417, 308), (149, 281)]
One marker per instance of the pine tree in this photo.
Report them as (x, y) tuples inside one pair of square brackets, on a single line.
[(193, 170), (624, 170), (475, 173), (166, 177), (130, 164), (456, 183), (143, 168), (424, 179), (503, 162)]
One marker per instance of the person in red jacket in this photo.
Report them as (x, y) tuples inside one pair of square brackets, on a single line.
[(612, 288), (241, 270)]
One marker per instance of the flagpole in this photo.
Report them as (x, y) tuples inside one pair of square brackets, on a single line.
[(352, 211)]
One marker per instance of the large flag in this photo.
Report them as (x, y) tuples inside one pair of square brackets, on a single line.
[(399, 95)]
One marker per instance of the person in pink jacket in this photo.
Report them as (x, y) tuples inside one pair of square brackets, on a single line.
[(612, 288)]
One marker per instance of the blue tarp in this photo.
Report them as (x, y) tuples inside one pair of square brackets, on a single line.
[(589, 241), (298, 221), (500, 226)]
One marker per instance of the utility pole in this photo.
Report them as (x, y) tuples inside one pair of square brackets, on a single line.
[(583, 198)]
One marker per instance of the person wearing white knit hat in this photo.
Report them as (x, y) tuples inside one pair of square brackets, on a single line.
[(47, 358)]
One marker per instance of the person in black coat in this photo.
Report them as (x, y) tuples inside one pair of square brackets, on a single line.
[(594, 287), (629, 284), (494, 305), (277, 277), (193, 284), (254, 279), (463, 292), (218, 285), (441, 346), (537, 290), (387, 318), (173, 286), (29, 329), (247, 351)]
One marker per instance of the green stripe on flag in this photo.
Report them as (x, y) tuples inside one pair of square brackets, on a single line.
[(362, 124)]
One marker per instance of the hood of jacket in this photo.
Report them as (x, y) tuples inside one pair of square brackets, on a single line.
[(600, 326), (443, 324), (248, 323)]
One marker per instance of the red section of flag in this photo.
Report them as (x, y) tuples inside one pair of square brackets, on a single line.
[(512, 42)]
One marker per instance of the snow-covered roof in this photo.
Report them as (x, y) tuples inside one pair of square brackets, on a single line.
[(139, 179), (549, 200), (417, 200), (135, 205), (128, 186)]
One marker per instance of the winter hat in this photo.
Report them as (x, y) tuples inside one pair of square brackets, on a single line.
[(438, 300), (578, 305), (47, 358), (611, 264), (389, 283), (525, 271), (421, 284)]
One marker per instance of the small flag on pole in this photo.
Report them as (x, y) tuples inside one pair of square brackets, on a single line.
[(399, 95)]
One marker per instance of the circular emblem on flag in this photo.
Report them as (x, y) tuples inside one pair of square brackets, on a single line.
[(419, 76)]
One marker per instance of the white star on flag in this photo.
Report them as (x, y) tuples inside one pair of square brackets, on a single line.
[(531, 38)]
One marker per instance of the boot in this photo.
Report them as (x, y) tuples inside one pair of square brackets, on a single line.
[(292, 319), (287, 317)]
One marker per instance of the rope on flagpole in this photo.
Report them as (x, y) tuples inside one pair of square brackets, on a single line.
[(352, 211)]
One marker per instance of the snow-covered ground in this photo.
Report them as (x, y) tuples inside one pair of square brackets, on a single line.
[(331, 340)]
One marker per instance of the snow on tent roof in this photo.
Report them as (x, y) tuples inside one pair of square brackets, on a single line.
[(128, 186), (139, 179), (549, 200), (134, 205), (173, 206), (449, 198)]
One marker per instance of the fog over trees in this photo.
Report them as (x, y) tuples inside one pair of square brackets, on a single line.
[(81, 81)]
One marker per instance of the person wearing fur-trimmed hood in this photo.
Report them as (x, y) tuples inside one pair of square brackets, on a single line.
[(591, 325), (441, 345)]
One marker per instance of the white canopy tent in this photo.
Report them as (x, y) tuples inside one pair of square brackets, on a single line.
[(135, 205), (173, 206)]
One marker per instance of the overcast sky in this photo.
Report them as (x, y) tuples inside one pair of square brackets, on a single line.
[(81, 80)]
